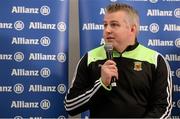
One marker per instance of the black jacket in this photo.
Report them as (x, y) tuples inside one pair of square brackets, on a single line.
[(144, 88)]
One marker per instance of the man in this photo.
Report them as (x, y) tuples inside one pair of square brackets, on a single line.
[(143, 82)]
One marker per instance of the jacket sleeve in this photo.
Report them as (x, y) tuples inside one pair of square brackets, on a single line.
[(82, 89), (160, 102)]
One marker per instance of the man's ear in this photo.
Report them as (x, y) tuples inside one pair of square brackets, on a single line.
[(134, 28)]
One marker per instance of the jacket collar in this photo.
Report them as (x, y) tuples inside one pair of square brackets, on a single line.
[(129, 48), (132, 47)]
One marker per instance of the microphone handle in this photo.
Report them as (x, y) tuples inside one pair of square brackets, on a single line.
[(113, 81)]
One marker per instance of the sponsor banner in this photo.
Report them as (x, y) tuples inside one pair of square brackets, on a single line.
[(159, 30), (33, 58)]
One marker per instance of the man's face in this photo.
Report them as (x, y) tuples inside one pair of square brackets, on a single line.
[(117, 29)]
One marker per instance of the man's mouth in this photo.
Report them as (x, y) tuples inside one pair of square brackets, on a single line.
[(110, 38)]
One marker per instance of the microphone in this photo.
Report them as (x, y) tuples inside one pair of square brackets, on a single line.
[(109, 53)]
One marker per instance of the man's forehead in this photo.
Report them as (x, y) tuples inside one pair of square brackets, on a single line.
[(115, 16), (115, 12), (112, 21)]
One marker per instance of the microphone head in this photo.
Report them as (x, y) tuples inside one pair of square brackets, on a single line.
[(108, 47), (109, 50)]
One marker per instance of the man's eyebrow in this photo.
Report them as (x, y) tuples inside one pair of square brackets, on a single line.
[(114, 21)]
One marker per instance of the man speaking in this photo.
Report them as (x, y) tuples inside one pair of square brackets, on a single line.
[(133, 82)]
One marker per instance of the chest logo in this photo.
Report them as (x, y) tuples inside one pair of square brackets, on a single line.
[(137, 66)]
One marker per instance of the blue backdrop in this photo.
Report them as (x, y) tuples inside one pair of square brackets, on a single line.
[(33, 58), (159, 30)]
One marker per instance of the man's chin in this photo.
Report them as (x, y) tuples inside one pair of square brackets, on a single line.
[(109, 42)]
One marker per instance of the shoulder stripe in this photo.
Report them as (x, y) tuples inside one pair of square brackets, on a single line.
[(142, 53), (96, 54), (82, 99), (169, 93)]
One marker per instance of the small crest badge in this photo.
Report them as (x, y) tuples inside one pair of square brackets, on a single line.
[(137, 66)]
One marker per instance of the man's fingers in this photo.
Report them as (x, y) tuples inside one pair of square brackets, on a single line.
[(110, 62)]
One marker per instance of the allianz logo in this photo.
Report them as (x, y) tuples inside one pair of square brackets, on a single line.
[(22, 104), (17, 25), (19, 57), (61, 88), (44, 10), (61, 26), (172, 57), (153, 27), (171, 27), (44, 72), (158, 42), (44, 41), (168, 13), (17, 88), (61, 57), (92, 26), (157, 12)]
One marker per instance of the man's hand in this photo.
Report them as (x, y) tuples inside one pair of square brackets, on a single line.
[(108, 70)]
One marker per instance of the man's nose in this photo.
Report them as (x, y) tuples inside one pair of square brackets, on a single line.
[(108, 29)]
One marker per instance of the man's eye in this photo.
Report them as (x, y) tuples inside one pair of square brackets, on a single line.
[(114, 25), (105, 25)]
